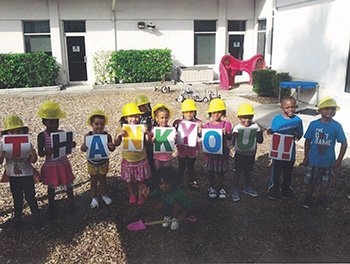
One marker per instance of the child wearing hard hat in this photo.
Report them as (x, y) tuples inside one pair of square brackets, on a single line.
[(246, 135), (286, 123), (216, 163), (134, 166), (98, 167), (319, 157), (54, 172), (20, 172)]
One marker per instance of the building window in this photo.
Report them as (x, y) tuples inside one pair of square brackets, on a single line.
[(261, 36), (37, 36), (347, 81), (74, 26), (236, 25), (204, 42)]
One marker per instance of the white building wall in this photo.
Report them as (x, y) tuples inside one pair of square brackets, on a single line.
[(311, 42)]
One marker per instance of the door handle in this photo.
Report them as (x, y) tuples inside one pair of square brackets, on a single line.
[(85, 59)]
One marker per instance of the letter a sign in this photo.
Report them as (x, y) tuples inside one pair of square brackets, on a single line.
[(281, 147), (97, 147), (134, 139)]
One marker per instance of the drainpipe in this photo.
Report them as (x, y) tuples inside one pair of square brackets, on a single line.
[(113, 21)]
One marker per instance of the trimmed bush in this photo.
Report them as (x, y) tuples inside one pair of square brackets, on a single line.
[(281, 77), (262, 82), (27, 70), (102, 67), (130, 66)]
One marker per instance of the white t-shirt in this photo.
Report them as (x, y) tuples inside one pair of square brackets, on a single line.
[(245, 143)]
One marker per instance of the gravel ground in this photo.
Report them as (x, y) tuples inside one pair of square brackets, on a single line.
[(251, 230)]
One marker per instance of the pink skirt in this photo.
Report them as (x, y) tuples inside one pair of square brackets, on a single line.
[(135, 171), (57, 175)]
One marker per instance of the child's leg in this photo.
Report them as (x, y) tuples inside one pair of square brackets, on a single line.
[(220, 180), (29, 191), (51, 195), (182, 167), (70, 194), (131, 188), (190, 169), (103, 184), (17, 194), (287, 178), (211, 178), (177, 210), (93, 187), (274, 187)]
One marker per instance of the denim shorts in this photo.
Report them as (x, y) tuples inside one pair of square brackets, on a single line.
[(315, 174)]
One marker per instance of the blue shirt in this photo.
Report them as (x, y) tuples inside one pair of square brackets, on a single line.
[(291, 126), (323, 137)]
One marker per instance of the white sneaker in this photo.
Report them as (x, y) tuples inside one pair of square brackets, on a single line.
[(94, 203), (166, 224), (222, 194), (175, 225), (212, 192), (106, 199)]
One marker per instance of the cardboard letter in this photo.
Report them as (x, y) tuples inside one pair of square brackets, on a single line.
[(165, 142), (281, 147), (135, 138), (16, 146), (97, 147), (212, 141), (61, 142), (187, 133)]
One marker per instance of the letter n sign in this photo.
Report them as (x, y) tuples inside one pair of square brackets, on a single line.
[(61, 142), (134, 139), (281, 147), (212, 140)]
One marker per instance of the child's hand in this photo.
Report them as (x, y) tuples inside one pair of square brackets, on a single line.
[(144, 190), (270, 131), (144, 129), (32, 152), (74, 144), (337, 164), (224, 131), (84, 148), (49, 151), (122, 133), (110, 146), (297, 137)]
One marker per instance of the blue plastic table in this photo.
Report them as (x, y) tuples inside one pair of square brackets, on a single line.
[(298, 86)]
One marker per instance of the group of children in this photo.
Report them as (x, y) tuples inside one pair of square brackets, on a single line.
[(154, 173)]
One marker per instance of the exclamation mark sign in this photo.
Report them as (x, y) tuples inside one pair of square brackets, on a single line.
[(276, 139), (287, 144)]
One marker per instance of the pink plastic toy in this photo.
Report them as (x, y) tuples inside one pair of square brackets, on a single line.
[(229, 67)]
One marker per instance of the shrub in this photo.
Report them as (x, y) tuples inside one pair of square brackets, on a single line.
[(262, 84), (102, 67), (130, 66), (27, 70), (281, 77)]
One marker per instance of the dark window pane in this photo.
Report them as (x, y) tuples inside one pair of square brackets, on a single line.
[(36, 27), (204, 49), (261, 43), (74, 26), (204, 26), (262, 24), (347, 81), (236, 25)]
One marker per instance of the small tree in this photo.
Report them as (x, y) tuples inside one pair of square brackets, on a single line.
[(262, 82)]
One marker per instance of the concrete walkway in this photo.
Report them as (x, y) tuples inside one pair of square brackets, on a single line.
[(233, 99)]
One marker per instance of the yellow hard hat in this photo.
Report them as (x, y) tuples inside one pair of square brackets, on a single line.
[(188, 105), (328, 102), (12, 122), (141, 100), (95, 113), (216, 105), (51, 110), (245, 109), (131, 109), (160, 106)]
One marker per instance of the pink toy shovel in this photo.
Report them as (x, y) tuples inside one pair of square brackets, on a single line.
[(139, 225)]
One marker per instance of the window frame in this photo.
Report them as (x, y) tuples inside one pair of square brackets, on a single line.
[(29, 34), (204, 32)]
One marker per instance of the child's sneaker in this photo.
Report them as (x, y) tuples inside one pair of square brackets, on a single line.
[(106, 199), (175, 225), (250, 192), (222, 194), (94, 203), (141, 200), (132, 199), (324, 201), (166, 218), (212, 192), (308, 201), (348, 196), (235, 195), (194, 186)]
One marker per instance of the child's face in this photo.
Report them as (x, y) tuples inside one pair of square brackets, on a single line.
[(327, 112), (164, 187), (144, 108), (51, 124), (132, 119), (98, 125), (288, 107), (189, 115), (216, 116), (246, 121), (15, 131), (162, 118)]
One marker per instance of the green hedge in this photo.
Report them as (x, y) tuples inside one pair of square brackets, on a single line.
[(130, 66), (262, 82), (281, 77), (27, 70)]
